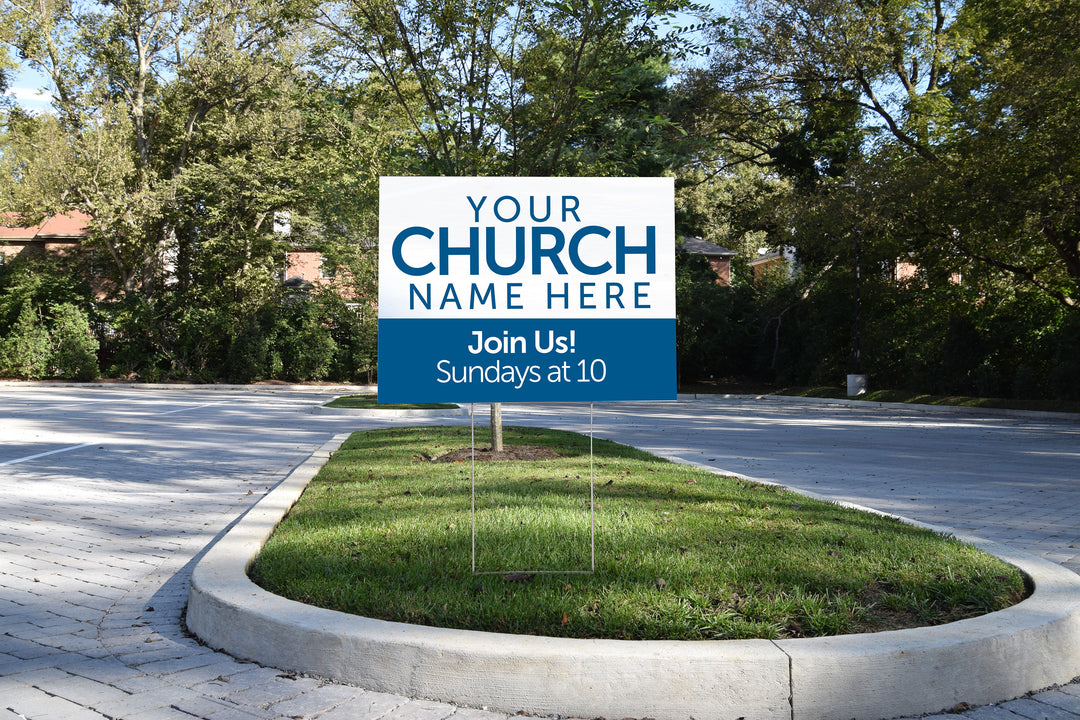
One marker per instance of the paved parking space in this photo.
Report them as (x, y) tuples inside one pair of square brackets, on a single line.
[(109, 496)]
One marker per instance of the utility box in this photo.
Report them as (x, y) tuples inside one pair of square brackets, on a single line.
[(856, 385)]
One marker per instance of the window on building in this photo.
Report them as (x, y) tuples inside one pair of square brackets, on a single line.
[(327, 269), (98, 267)]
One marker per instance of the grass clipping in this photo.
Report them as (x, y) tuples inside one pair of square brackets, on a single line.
[(384, 531)]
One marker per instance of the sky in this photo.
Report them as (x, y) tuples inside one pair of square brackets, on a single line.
[(25, 91)]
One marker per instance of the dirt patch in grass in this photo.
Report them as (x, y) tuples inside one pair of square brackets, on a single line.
[(510, 452)]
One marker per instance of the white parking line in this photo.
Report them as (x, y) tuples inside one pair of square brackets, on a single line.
[(193, 407), (76, 447), (73, 405), (50, 452)]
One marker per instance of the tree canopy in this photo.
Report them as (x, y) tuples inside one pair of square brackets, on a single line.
[(929, 145)]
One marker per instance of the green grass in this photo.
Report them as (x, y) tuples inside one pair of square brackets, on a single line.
[(384, 532), (371, 401)]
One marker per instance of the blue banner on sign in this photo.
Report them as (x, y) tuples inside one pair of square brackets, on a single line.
[(492, 360)]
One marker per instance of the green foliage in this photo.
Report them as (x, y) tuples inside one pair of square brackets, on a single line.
[(26, 349), (714, 329), (941, 138), (940, 135), (45, 318), (74, 353), (131, 347), (353, 327), (43, 280), (1017, 175), (305, 344), (307, 338), (1063, 360), (941, 338), (251, 355), (293, 336), (531, 88), (826, 138)]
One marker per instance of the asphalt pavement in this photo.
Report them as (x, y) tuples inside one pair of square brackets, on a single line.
[(109, 495)]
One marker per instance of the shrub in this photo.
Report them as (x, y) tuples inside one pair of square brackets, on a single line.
[(250, 353), (25, 352), (74, 347), (305, 345), (1063, 379), (714, 327), (354, 329)]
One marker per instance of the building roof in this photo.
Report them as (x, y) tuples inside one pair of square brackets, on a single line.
[(766, 256), (700, 246), (64, 225)]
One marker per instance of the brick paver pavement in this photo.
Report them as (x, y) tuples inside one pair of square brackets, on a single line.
[(109, 496)]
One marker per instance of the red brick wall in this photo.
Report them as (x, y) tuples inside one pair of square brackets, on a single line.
[(306, 264), (722, 267)]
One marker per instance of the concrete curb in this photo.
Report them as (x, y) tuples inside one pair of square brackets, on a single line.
[(335, 388), (911, 407), (390, 413), (987, 659)]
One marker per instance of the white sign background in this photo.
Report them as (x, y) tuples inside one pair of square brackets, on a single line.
[(487, 286)]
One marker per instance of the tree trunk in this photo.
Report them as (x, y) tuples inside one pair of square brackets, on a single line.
[(496, 427)]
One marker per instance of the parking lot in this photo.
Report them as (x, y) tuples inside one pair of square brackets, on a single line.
[(110, 494)]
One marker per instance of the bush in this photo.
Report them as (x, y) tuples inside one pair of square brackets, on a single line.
[(1026, 384), (25, 352), (1063, 379), (251, 354), (355, 333), (74, 347), (130, 342), (962, 354), (44, 281), (305, 344), (714, 332)]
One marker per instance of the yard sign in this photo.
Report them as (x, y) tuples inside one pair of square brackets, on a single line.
[(526, 289)]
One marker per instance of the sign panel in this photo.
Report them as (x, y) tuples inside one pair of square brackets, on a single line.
[(526, 289)]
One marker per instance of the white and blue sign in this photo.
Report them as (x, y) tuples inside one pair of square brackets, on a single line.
[(526, 289)]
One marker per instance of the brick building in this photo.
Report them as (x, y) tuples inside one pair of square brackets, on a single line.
[(58, 233), (719, 257)]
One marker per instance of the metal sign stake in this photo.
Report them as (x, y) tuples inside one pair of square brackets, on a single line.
[(472, 432)]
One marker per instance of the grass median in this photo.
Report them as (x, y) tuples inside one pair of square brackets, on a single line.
[(384, 531), (370, 401)]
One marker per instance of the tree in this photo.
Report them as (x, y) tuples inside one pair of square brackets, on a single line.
[(594, 96), (184, 130), (1013, 191), (134, 83), (887, 59), (494, 87), (969, 115)]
